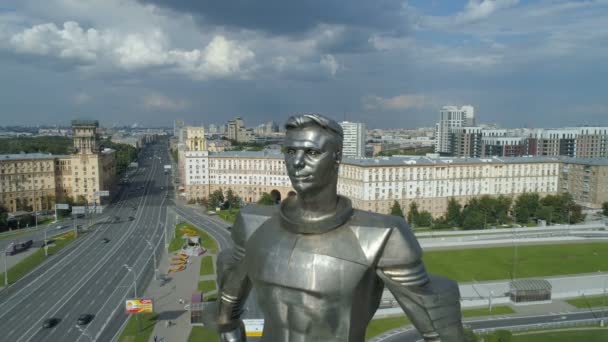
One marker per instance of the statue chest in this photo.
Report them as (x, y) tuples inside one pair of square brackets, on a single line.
[(319, 265)]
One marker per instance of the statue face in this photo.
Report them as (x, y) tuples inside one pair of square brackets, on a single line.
[(310, 158)]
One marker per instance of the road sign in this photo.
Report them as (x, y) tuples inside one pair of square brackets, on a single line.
[(78, 210), (102, 193), (62, 206), (136, 306)]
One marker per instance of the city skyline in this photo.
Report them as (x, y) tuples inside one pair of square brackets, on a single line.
[(389, 64)]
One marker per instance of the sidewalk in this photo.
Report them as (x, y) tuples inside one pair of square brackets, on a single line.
[(167, 293)]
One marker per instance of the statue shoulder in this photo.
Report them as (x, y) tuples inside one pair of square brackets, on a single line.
[(387, 238), (249, 219)]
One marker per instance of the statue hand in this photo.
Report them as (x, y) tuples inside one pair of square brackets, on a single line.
[(235, 335)]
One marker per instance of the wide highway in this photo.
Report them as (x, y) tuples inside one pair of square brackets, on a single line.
[(88, 276), (531, 322)]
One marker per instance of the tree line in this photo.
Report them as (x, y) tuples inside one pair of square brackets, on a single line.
[(486, 211), (124, 155), (53, 145)]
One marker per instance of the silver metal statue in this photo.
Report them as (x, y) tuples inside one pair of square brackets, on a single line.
[(318, 266)]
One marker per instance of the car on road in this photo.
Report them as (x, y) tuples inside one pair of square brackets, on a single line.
[(105, 240), (131, 218), (84, 319), (60, 227), (211, 212), (50, 322)]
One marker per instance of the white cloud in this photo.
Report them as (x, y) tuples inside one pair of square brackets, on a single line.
[(158, 101), (221, 58), (329, 62), (480, 9), (399, 102)]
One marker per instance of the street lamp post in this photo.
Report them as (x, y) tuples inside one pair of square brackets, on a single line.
[(5, 266), (154, 256), (46, 245), (130, 269)]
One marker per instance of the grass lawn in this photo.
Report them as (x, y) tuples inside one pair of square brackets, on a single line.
[(206, 240), (206, 286), (533, 261), (199, 334), (131, 333), (589, 301), (228, 215), (29, 263), (378, 326), (207, 265), (587, 335), (15, 233)]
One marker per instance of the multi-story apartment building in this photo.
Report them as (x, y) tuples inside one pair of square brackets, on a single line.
[(88, 170), (586, 180), (451, 117), (354, 139), (374, 184), (236, 131), (592, 142), (37, 181), (27, 181), (249, 174), (552, 142), (466, 142), (503, 146)]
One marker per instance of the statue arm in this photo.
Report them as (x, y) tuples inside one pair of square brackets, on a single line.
[(233, 286), (432, 303)]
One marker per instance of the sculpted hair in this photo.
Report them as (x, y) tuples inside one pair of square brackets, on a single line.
[(306, 120)]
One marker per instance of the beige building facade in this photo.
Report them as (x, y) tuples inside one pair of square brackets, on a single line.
[(373, 184), (586, 180), (36, 181), (27, 182)]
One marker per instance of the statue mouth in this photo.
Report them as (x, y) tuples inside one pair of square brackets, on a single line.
[(301, 178)]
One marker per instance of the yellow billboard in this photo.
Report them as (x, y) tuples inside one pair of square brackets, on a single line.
[(135, 306)]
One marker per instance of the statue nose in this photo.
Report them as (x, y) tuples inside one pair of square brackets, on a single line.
[(298, 161)]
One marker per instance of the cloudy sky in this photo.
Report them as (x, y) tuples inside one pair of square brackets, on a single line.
[(389, 63)]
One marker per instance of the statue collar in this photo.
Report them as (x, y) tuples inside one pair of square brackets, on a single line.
[(290, 221)]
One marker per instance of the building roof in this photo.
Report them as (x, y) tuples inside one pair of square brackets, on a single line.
[(530, 285), (586, 161), (27, 156), (444, 161)]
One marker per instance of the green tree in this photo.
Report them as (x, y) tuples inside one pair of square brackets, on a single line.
[(576, 214), (233, 200), (216, 199), (266, 199), (526, 205), (453, 215), (412, 214), (605, 208), (3, 216), (81, 200), (473, 219), (396, 209), (545, 213), (424, 219), (501, 209)]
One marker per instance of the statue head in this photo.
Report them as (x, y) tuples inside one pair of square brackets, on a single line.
[(313, 151)]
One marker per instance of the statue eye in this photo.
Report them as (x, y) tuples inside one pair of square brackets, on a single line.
[(313, 153), (291, 151)]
